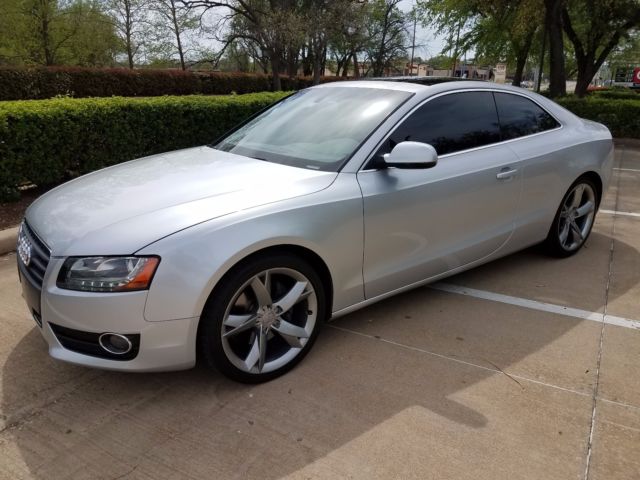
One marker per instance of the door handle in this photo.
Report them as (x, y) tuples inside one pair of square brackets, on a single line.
[(506, 173)]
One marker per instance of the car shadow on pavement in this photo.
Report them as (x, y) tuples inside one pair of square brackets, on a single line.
[(414, 351)]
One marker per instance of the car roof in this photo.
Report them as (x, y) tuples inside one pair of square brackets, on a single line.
[(421, 92), (421, 80), (424, 85)]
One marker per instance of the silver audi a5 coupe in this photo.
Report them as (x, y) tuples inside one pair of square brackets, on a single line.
[(334, 198)]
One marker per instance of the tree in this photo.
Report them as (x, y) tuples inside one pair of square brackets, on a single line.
[(176, 20), (388, 35), (50, 32), (327, 21), (129, 17), (595, 28), (95, 42), (350, 36), (37, 29), (270, 25), (499, 30)]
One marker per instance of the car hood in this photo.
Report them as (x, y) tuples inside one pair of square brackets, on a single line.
[(123, 208)]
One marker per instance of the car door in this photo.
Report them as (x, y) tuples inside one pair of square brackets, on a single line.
[(420, 223)]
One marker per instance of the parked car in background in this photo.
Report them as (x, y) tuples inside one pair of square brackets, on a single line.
[(332, 199)]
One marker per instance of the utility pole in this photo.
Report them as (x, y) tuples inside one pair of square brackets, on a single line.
[(413, 43)]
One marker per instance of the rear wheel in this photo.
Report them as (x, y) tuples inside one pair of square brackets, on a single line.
[(574, 219), (263, 319)]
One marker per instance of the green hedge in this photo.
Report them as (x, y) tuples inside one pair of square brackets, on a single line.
[(617, 94), (48, 82), (48, 141), (621, 116)]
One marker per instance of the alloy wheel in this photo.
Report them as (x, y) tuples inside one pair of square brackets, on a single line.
[(269, 320), (576, 217)]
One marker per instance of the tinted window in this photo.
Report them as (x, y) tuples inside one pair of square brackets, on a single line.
[(450, 123), (519, 116)]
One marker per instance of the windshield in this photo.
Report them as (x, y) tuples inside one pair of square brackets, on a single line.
[(318, 128)]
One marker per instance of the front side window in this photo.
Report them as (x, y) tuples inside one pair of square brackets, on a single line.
[(449, 123), (519, 116), (318, 128)]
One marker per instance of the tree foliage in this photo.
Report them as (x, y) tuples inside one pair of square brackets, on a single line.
[(51, 32), (595, 28)]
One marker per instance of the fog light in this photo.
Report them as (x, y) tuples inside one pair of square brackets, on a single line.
[(115, 343)]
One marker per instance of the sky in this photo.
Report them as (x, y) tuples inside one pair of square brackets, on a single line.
[(428, 37)]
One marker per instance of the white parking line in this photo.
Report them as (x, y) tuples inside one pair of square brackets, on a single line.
[(616, 212), (627, 169), (541, 306)]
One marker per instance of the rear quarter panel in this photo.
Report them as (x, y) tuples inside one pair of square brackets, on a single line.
[(552, 162)]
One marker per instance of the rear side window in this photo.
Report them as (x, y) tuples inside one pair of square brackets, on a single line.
[(519, 116), (450, 123)]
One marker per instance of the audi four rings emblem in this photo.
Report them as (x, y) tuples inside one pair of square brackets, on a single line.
[(24, 247)]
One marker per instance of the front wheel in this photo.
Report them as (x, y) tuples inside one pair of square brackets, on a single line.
[(574, 219), (263, 318)]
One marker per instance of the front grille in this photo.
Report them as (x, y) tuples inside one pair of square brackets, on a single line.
[(87, 343), (39, 258)]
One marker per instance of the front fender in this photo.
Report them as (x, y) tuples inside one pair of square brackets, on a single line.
[(329, 223)]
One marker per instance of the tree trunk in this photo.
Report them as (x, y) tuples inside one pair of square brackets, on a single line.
[(583, 81), (522, 54), (129, 33), (292, 62), (356, 66), (45, 36), (129, 51), (553, 23), (317, 61), (176, 30), (307, 64), (345, 67), (275, 70), (317, 69)]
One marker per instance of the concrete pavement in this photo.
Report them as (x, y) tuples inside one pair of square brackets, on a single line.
[(427, 385)]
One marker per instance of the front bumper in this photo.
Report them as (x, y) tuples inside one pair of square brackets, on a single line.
[(164, 346)]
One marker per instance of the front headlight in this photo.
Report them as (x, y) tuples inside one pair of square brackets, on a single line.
[(107, 274)]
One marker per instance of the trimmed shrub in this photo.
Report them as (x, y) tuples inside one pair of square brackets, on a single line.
[(617, 94), (49, 141), (621, 116), (41, 83)]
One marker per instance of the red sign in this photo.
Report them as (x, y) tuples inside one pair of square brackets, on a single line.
[(636, 75)]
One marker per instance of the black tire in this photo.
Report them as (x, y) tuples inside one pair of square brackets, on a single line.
[(210, 336), (553, 243)]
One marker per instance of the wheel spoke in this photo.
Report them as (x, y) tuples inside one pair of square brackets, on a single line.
[(262, 347), (585, 209), (576, 230), (260, 289), (564, 233), (248, 323), (253, 356), (577, 196), (296, 294), (237, 320), (291, 333)]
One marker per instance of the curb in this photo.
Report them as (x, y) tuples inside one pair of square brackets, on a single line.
[(8, 240), (631, 142)]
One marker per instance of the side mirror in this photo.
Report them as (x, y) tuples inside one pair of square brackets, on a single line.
[(411, 155)]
